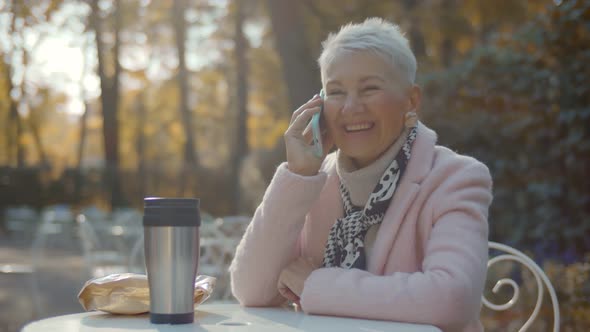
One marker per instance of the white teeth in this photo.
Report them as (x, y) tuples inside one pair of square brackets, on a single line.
[(358, 127)]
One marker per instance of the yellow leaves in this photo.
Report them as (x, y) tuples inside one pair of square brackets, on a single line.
[(176, 130), (94, 122), (150, 129), (278, 130), (265, 130), (27, 140), (571, 281), (464, 45), (139, 75)]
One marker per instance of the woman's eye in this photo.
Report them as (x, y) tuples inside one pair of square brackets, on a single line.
[(335, 92), (370, 88)]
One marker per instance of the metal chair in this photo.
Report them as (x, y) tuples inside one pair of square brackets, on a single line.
[(93, 212), (127, 217), (55, 230), (219, 239), (21, 222), (136, 262), (543, 281), (100, 254)]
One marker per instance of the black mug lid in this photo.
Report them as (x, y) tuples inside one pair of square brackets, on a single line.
[(159, 211)]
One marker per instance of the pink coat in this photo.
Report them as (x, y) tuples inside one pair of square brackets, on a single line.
[(428, 263)]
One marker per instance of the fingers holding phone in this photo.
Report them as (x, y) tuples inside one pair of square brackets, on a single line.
[(303, 155), (318, 148)]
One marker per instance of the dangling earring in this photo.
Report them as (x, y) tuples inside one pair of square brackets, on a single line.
[(411, 119)]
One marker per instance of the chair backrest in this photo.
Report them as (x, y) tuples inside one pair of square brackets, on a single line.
[(94, 213), (89, 240), (136, 262), (21, 222), (127, 216), (511, 254), (219, 239)]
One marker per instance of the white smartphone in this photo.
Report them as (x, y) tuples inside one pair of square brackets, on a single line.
[(316, 131)]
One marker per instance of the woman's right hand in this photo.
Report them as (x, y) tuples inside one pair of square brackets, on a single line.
[(300, 157)]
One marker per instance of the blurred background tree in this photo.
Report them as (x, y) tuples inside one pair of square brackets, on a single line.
[(106, 102)]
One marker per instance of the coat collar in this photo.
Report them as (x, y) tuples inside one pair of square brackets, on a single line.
[(418, 168), (422, 155)]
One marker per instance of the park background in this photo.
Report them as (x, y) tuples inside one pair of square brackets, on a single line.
[(105, 102)]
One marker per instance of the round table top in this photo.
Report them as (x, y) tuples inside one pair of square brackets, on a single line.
[(221, 317)]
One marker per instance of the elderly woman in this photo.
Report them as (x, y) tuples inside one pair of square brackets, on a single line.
[(390, 226)]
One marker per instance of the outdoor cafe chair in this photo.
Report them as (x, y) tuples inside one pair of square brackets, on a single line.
[(542, 281), (21, 222), (101, 254), (219, 239)]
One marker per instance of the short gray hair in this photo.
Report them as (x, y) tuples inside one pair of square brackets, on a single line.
[(375, 35)]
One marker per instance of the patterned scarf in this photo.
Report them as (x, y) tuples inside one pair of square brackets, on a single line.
[(345, 247)]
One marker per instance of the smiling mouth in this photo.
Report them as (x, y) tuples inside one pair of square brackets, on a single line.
[(358, 127)]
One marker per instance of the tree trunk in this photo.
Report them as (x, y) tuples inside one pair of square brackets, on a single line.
[(34, 119), (18, 133), (447, 46), (191, 161), (110, 101), (140, 144), (241, 137), (83, 126), (299, 67), (38, 143), (7, 139), (415, 34), (80, 152), (8, 125), (15, 120), (14, 134)]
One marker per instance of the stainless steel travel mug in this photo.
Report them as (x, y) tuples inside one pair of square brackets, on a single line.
[(171, 235)]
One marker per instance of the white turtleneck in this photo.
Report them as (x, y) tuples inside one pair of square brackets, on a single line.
[(361, 182)]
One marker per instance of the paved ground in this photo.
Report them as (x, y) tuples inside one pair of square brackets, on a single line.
[(49, 291)]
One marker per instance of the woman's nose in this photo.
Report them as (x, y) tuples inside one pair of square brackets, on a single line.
[(352, 104)]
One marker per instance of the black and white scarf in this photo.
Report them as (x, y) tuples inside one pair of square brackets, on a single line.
[(345, 247)]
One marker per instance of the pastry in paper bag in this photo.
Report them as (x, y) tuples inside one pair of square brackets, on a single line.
[(129, 293)]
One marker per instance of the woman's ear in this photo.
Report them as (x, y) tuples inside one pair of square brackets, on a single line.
[(415, 99)]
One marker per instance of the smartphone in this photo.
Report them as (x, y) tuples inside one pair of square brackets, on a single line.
[(316, 131)]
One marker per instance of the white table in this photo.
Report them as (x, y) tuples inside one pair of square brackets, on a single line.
[(221, 317)]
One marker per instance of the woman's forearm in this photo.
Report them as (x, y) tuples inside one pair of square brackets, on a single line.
[(447, 293), (270, 242)]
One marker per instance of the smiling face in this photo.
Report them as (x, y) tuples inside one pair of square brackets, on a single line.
[(365, 105)]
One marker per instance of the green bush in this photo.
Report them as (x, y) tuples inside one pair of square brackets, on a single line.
[(522, 106)]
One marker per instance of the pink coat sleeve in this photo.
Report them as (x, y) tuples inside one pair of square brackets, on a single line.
[(270, 241), (447, 292)]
